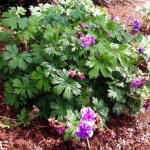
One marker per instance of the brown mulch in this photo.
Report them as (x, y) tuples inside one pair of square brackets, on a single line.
[(125, 133)]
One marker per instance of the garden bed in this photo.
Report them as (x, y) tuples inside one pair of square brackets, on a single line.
[(127, 134), (123, 132)]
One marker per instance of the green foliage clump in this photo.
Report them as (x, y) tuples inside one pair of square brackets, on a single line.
[(42, 49)]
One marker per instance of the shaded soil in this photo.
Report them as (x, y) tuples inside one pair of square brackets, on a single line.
[(124, 133)]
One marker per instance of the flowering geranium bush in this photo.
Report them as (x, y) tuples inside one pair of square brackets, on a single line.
[(61, 59)]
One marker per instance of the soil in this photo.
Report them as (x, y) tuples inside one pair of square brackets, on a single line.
[(123, 133)]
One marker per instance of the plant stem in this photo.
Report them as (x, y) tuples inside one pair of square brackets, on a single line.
[(89, 147)]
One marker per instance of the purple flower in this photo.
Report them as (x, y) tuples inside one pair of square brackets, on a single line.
[(138, 83), (87, 41), (136, 26), (81, 76), (88, 115), (87, 27), (141, 50), (147, 104), (84, 130)]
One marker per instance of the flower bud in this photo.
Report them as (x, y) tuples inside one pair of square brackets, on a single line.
[(72, 73), (81, 25), (79, 34), (81, 76)]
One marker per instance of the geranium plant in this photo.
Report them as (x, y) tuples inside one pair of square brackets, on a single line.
[(61, 59)]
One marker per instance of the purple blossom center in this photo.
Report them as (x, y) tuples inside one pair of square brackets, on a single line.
[(87, 41), (141, 50), (84, 130), (136, 26), (87, 27), (88, 115)]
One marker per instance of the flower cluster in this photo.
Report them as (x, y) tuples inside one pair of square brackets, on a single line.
[(136, 26), (85, 128), (87, 41), (73, 73), (138, 83)]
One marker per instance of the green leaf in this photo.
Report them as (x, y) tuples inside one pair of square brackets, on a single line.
[(138, 38), (9, 96), (12, 100), (116, 93), (7, 36), (101, 108), (103, 63), (69, 133), (24, 87), (40, 76), (23, 118), (59, 109), (14, 21), (65, 85), (112, 26), (15, 59), (118, 108)]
